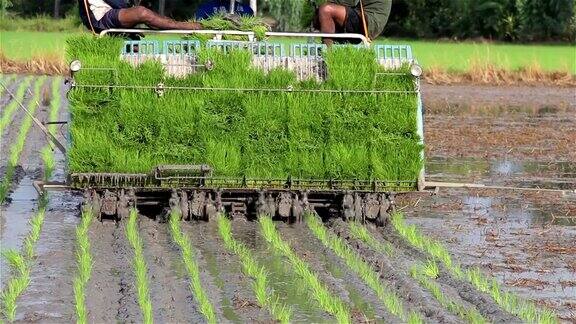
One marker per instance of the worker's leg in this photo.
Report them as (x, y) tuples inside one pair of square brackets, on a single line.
[(131, 17), (330, 18)]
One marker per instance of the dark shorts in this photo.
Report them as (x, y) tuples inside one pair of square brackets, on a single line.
[(352, 24), (108, 21)]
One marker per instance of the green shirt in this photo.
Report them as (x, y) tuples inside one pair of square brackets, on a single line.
[(377, 13)]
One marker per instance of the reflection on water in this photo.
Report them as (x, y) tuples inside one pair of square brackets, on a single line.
[(469, 110), (552, 175), (504, 207), (16, 217)]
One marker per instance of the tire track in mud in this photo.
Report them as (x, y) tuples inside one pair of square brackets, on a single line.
[(110, 293), (365, 305), (50, 296), (291, 290), (405, 256), (227, 285), (172, 300)]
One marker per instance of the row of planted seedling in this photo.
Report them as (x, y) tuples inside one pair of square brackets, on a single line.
[(321, 295), (508, 301), (425, 274), (21, 262), (269, 299)]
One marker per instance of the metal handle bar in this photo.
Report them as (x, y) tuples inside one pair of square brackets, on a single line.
[(220, 33)]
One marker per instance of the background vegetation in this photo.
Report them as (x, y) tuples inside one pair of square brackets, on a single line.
[(509, 20)]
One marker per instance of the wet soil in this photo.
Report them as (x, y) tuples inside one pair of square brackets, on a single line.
[(335, 274), (14, 220), (291, 290), (405, 256), (172, 300), (110, 293), (520, 136), (50, 280), (11, 132), (526, 241), (501, 96), (229, 289), (397, 278), (12, 86), (500, 122), (21, 204)]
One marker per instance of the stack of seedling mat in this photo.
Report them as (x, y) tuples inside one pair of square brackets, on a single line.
[(247, 110)]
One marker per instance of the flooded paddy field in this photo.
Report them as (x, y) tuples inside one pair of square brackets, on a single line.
[(517, 137)]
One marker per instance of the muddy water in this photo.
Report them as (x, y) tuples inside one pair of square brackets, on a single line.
[(335, 274), (290, 288), (15, 220), (526, 239), (54, 264), (532, 174), (232, 288), (514, 128), (110, 293), (172, 300)]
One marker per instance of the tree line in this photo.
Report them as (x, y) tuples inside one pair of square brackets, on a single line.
[(507, 20)]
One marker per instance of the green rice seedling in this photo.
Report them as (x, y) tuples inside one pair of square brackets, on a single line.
[(511, 303), (34, 234), (84, 263), (13, 290), (9, 110), (425, 275), (47, 151), (327, 301), (191, 265), (243, 23), (18, 146), (140, 267), (253, 134), (360, 232), (431, 270), (265, 295), (392, 302), (80, 301), (20, 263), (16, 261)]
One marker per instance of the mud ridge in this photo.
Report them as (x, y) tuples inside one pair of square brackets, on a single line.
[(232, 288), (481, 301), (172, 300), (415, 297), (318, 257), (110, 294)]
